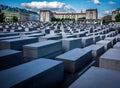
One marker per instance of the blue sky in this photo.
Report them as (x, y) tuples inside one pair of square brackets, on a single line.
[(104, 6)]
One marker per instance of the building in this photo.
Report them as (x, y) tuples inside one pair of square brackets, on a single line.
[(91, 14), (21, 14), (114, 13), (107, 18), (47, 15)]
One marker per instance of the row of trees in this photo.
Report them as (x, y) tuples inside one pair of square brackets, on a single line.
[(2, 18), (117, 17), (63, 19)]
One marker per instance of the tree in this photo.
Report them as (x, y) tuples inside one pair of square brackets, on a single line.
[(117, 17), (15, 19), (2, 17)]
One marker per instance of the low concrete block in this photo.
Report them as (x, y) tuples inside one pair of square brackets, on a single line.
[(42, 49), (117, 45), (86, 41), (112, 39), (107, 44), (10, 58), (75, 59), (17, 43), (110, 59), (40, 73), (97, 50), (98, 78), (71, 43)]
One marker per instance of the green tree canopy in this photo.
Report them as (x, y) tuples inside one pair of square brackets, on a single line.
[(117, 17), (15, 19), (2, 17)]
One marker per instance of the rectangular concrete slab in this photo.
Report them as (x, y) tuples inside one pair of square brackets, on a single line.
[(96, 38), (98, 78), (17, 43), (97, 50), (117, 45), (107, 44), (9, 37), (75, 59), (86, 41), (71, 43), (112, 39), (111, 59), (42, 49), (10, 58), (40, 73)]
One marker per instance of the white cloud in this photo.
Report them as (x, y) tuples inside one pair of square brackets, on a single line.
[(111, 2), (107, 12), (54, 6), (97, 2)]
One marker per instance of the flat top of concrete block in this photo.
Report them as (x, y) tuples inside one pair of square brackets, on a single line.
[(93, 47), (102, 35), (25, 71), (98, 78), (41, 44), (117, 44), (8, 33), (8, 52), (73, 54), (41, 34), (88, 37), (110, 38), (103, 42), (113, 54), (19, 39), (51, 35), (8, 37), (71, 39)]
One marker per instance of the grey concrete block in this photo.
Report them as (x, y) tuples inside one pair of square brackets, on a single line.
[(102, 37), (98, 78), (107, 44), (117, 45), (51, 37), (71, 43), (96, 38), (40, 73), (42, 49), (8, 34), (110, 59), (10, 58), (75, 59), (17, 43), (86, 41), (97, 50), (9, 37), (112, 39)]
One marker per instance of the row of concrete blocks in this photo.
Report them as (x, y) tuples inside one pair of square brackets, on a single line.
[(6, 34), (17, 43), (48, 49), (102, 77), (52, 48)]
